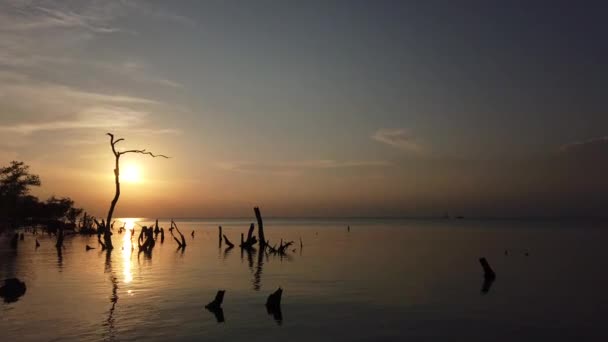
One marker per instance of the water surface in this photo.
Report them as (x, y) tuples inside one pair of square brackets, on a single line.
[(386, 280)]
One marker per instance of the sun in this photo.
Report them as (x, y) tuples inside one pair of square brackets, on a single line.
[(130, 174)]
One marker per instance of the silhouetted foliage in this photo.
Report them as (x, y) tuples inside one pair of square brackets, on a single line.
[(18, 207)]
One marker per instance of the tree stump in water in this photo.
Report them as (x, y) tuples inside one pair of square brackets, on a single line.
[(273, 305), (220, 236), (258, 216), (488, 273), (217, 302), (215, 306), (228, 243), (12, 289), (488, 276)]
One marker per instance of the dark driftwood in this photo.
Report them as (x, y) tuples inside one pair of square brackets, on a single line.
[(220, 236), (273, 305), (87, 247), (274, 300), (258, 216), (107, 233), (488, 273), (217, 302), (181, 244), (251, 240), (216, 306), (488, 276), (228, 243), (149, 242), (12, 289), (142, 234)]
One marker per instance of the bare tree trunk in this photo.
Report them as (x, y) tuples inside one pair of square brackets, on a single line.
[(107, 236)]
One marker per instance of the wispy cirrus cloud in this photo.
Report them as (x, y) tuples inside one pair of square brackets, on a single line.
[(67, 108), (37, 34), (26, 16), (136, 71), (300, 165), (90, 118), (601, 142), (397, 137)]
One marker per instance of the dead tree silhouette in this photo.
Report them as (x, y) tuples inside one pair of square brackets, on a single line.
[(107, 236)]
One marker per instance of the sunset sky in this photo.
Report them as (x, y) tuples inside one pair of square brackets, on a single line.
[(311, 108)]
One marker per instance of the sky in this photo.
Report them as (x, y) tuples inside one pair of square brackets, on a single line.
[(311, 108)]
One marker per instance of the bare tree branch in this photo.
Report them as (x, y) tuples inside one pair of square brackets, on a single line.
[(117, 154), (143, 152)]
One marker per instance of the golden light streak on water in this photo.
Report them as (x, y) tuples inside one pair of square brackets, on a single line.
[(127, 248)]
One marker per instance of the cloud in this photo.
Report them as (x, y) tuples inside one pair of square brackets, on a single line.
[(600, 142), (594, 150), (94, 117), (398, 138), (21, 16), (37, 34), (294, 166), (136, 71), (55, 107)]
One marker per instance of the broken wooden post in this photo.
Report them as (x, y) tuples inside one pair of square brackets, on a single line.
[(149, 242), (258, 216), (251, 240), (217, 302), (181, 244), (488, 276), (274, 300), (488, 273), (37, 243), (220, 236), (273, 305), (215, 306), (228, 243)]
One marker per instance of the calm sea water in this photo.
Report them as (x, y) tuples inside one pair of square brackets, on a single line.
[(385, 280)]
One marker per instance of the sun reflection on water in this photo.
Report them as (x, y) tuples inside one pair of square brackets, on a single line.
[(127, 248)]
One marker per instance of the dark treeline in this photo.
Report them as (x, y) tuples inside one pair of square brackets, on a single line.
[(18, 208)]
